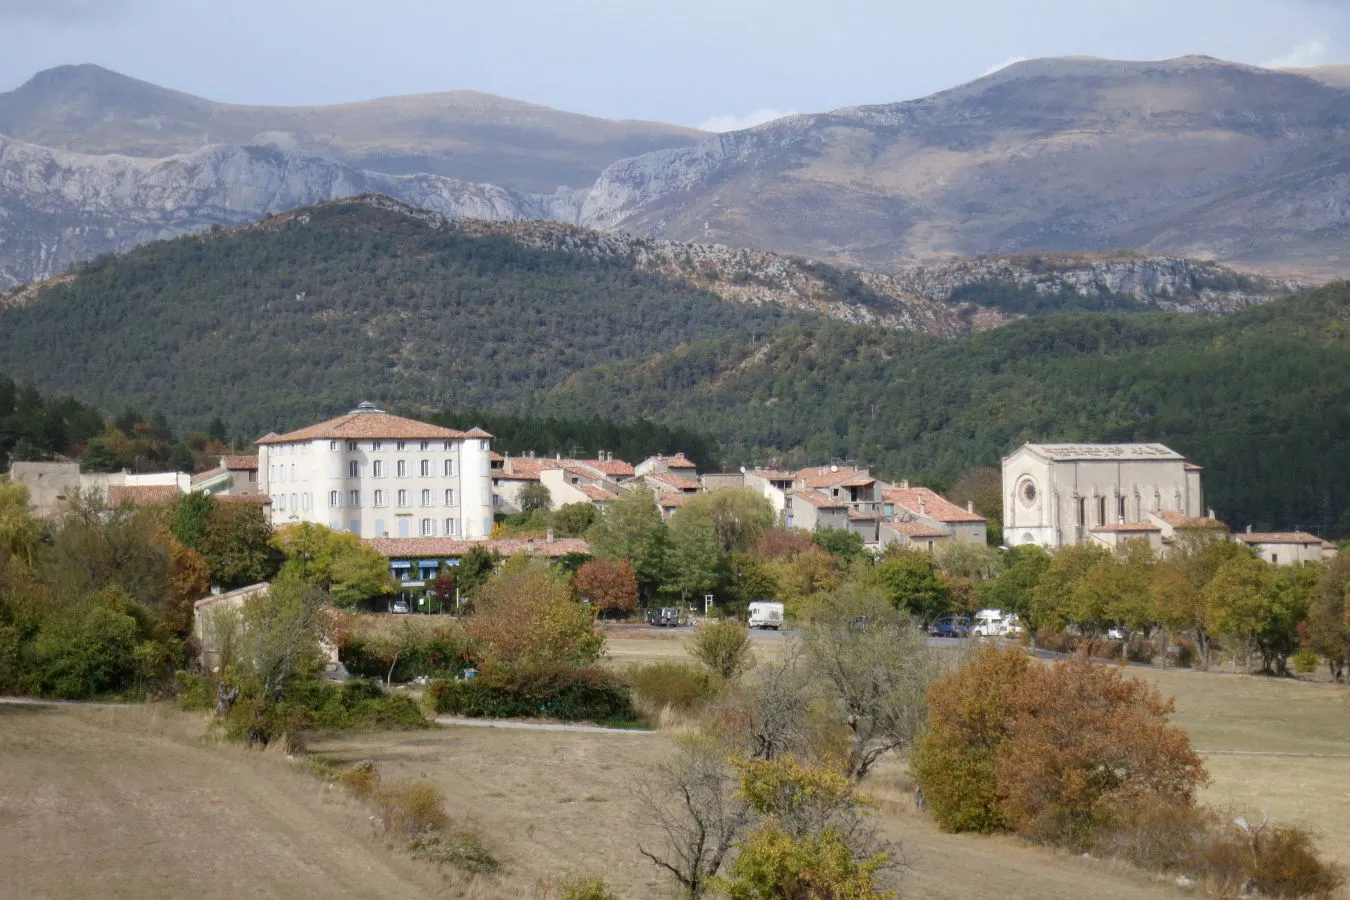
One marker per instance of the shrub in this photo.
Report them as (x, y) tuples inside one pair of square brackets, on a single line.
[(1057, 641), (675, 685), (462, 849), (723, 647), (588, 888), (588, 694), (408, 809), (361, 779), (1055, 752), (1305, 661), (1140, 650), (194, 691), (1186, 654), (87, 651), (1284, 864)]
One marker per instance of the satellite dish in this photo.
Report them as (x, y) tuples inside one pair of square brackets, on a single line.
[(834, 468), (742, 470)]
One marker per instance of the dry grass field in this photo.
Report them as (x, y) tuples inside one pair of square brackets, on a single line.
[(133, 803)]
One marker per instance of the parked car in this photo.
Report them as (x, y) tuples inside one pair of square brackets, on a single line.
[(1116, 633), (766, 615), (950, 626), (665, 617), (996, 623), (399, 606)]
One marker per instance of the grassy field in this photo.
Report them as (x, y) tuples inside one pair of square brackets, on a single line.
[(132, 803)]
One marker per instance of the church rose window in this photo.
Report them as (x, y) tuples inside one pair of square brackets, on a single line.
[(1029, 493)]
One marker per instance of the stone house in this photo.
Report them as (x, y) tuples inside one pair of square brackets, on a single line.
[(1285, 548)]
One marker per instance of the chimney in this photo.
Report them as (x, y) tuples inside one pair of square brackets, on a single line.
[(548, 536), (970, 506), (1249, 529), (904, 484), (923, 505), (529, 545), (1211, 514)]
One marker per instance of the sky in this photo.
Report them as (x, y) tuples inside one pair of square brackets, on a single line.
[(716, 64)]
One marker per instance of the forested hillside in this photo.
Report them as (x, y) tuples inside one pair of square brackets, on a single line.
[(276, 325), (1261, 399)]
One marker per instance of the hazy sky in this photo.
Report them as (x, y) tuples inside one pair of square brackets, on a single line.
[(716, 63)]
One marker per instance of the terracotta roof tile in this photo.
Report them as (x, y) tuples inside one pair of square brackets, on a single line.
[(414, 548), (934, 505), (671, 501), (818, 500), (597, 494), (262, 499), (142, 494), (240, 463), (860, 516), (669, 479), (209, 474), (1177, 519), (371, 425), (771, 474), (611, 467), (827, 476), (862, 480), (1277, 537)]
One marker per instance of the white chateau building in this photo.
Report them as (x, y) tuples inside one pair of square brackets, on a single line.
[(379, 475), (1058, 494)]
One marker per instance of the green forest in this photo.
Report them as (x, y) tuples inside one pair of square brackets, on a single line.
[(274, 326), (298, 319), (1261, 399)]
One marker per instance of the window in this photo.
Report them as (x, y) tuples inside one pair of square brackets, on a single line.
[(1082, 511), (450, 497), (252, 476), (1275, 559), (1121, 504), (496, 499), (425, 468), (281, 472), (428, 527), (292, 471), (448, 446), (354, 499), (307, 499), (379, 498), (451, 527), (449, 468), (281, 501), (487, 495), (1101, 510), (402, 498), (377, 468), (376, 445), (295, 501), (334, 499), (351, 446), (426, 445), (426, 496), (353, 469), (401, 468), (334, 445), (401, 446)]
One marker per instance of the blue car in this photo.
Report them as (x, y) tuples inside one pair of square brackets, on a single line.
[(950, 627)]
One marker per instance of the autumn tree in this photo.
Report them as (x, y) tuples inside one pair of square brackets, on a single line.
[(610, 586), (1244, 601), (1012, 591), (19, 531), (534, 497), (334, 561), (238, 545), (475, 568), (631, 528), (574, 519), (909, 581), (1061, 597), (1329, 616), (694, 564), (739, 517), (723, 647), (876, 667), (526, 621), (1176, 593)]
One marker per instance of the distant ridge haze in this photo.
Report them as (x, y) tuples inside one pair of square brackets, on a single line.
[(1190, 157), (466, 135)]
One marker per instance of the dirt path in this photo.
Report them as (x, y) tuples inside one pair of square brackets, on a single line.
[(115, 803), (538, 726)]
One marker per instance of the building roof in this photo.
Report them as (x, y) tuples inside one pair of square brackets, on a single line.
[(678, 461), (669, 479), (612, 467), (1277, 537), (1177, 519), (424, 547), (240, 463), (915, 529), (262, 499), (671, 501), (860, 516), (934, 505), (367, 422), (597, 494), (771, 474), (1122, 452), (1128, 527), (238, 595), (209, 474), (1192, 467), (861, 480), (819, 500), (142, 494), (827, 476), (526, 468)]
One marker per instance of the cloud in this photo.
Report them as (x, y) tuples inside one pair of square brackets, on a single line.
[(66, 12), (1007, 62), (732, 122), (1311, 52)]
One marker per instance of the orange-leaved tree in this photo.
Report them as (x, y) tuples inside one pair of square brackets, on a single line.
[(609, 585)]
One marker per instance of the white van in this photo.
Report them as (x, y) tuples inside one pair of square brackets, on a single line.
[(766, 615), (995, 623)]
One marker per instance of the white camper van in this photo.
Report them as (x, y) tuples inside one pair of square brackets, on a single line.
[(996, 623), (766, 615)]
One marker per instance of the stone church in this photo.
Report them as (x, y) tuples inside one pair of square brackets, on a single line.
[(1059, 494)]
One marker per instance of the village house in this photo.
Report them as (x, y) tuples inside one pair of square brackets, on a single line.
[(905, 504), (415, 563), (576, 483), (510, 474), (1287, 548), (51, 484), (378, 475), (678, 465), (235, 476), (1060, 494)]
